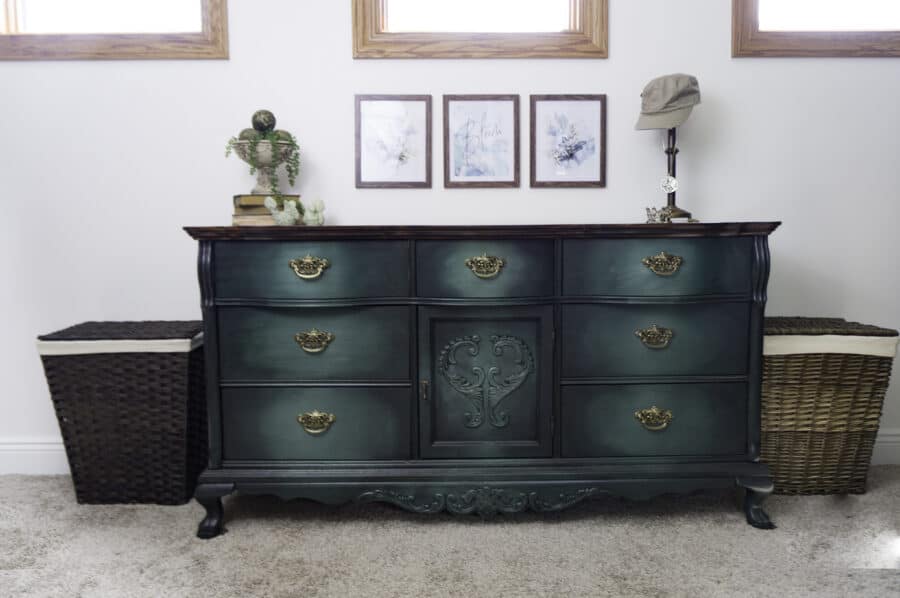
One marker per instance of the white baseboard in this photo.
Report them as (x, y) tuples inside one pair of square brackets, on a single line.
[(33, 456), (887, 447), (46, 456)]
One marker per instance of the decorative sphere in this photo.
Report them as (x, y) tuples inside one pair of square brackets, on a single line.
[(282, 135), (248, 135), (263, 121)]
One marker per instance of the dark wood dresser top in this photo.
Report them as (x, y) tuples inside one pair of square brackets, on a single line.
[(288, 233)]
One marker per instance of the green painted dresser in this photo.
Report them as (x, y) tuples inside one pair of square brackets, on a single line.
[(483, 369)]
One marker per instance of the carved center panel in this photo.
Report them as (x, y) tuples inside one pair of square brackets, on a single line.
[(482, 380)]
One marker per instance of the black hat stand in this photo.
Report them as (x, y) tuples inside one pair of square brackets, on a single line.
[(671, 152)]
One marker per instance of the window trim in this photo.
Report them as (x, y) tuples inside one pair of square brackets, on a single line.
[(747, 40), (589, 39), (211, 43), (10, 17)]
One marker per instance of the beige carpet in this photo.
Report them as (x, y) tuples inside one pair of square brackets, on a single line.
[(692, 546)]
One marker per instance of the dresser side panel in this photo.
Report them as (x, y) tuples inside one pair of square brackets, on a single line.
[(206, 275)]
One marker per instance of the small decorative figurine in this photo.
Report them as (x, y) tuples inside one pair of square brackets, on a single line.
[(659, 216), (286, 216), (314, 215)]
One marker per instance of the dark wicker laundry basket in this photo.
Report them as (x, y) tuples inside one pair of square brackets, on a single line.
[(129, 397), (824, 382)]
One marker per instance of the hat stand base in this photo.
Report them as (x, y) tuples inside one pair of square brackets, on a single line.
[(673, 211), (676, 212)]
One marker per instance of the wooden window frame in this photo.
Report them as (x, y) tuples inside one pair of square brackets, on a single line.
[(9, 23), (748, 40), (589, 38), (211, 43)]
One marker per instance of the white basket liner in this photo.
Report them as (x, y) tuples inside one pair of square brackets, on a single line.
[(779, 344), (165, 345), (787, 344)]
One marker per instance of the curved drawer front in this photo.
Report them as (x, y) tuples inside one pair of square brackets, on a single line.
[(360, 343), (689, 340), (484, 268), (268, 424), (331, 270), (706, 419), (615, 267)]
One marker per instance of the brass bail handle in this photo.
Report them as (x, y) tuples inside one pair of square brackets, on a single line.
[(655, 337), (314, 341), (654, 418), (485, 266), (663, 264), (309, 267), (316, 422)]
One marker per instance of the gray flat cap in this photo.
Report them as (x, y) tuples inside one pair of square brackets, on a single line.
[(667, 101)]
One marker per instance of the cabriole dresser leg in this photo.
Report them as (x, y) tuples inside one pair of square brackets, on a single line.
[(210, 496), (756, 491)]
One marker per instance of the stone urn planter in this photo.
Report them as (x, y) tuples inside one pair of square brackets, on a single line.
[(264, 157), (265, 150)]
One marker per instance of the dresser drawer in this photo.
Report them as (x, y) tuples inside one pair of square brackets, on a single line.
[(707, 419), (279, 270), (266, 423), (484, 268), (706, 339), (615, 267), (336, 343)]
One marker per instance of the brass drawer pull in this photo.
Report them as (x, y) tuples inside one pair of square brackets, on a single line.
[(655, 337), (314, 341), (309, 267), (663, 264), (316, 422), (654, 418), (485, 266)]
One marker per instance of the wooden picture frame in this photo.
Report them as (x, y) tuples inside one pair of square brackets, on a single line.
[(587, 37), (393, 141), (576, 133), (748, 41), (484, 150), (210, 43)]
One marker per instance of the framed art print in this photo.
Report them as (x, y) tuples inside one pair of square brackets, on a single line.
[(481, 141), (393, 141), (568, 140)]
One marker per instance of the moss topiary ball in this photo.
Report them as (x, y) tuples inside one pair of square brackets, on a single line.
[(282, 135), (249, 135), (263, 121)]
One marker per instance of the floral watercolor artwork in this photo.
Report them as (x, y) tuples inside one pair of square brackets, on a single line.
[(481, 140), (572, 147), (568, 145), (393, 141)]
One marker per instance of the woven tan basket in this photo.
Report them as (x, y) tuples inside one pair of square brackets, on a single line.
[(821, 410)]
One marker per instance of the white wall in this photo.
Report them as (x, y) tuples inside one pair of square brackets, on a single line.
[(102, 163)]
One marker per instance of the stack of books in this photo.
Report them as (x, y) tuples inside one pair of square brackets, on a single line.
[(250, 210)]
